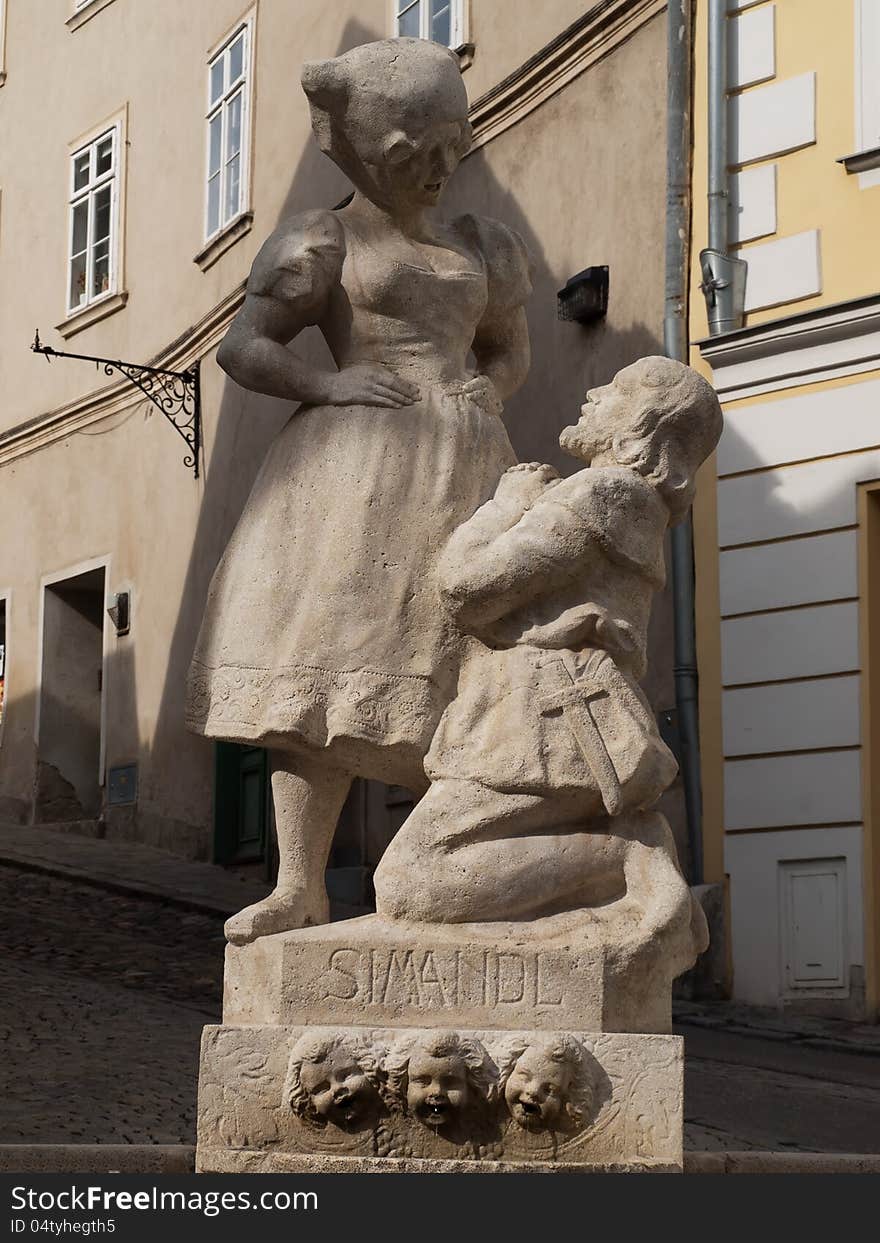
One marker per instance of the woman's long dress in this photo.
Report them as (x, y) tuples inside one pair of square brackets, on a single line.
[(323, 627)]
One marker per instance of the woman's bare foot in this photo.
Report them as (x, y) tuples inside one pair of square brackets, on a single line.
[(283, 910)]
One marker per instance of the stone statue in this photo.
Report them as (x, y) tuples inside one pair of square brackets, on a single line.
[(322, 639), (549, 734), (402, 600)]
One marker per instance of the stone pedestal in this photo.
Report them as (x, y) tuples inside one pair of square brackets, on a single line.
[(594, 970), (486, 1048), (629, 1091)]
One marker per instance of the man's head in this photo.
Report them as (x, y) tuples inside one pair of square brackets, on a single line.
[(657, 417)]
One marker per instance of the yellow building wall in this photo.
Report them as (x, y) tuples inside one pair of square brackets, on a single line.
[(813, 192)]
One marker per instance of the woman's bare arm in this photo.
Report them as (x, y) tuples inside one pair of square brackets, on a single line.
[(254, 353)]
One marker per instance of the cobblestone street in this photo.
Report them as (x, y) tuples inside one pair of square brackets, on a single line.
[(103, 998)]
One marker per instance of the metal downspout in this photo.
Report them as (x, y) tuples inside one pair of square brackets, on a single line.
[(719, 232), (675, 343), (724, 277)]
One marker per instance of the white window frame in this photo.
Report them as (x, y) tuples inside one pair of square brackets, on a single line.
[(96, 183), (243, 84), (457, 19), (867, 19), (865, 160)]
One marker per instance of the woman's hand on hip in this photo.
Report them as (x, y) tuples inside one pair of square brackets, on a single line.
[(369, 384), (483, 393)]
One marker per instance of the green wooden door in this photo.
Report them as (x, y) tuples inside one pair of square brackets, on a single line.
[(241, 803)]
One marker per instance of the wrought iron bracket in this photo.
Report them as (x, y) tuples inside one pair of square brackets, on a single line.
[(177, 394)]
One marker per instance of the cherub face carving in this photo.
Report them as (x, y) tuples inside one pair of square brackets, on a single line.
[(439, 1077), (537, 1090), (437, 1087), (331, 1080), (547, 1084)]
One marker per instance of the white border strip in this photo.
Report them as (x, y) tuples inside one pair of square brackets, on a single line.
[(836, 341)]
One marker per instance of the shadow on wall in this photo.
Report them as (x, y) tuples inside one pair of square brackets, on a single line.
[(578, 358), (17, 754), (573, 357), (237, 441), (47, 782), (50, 786)]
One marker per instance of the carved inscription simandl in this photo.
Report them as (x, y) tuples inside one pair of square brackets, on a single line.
[(432, 979)]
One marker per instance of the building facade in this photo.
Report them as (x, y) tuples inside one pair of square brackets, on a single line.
[(148, 151), (786, 523)]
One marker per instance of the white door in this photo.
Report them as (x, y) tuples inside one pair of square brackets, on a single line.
[(813, 932)]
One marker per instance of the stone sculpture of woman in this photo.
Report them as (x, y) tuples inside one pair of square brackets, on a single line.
[(322, 638)]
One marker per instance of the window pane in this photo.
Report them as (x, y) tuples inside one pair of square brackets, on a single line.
[(217, 79), (215, 137), (101, 228), (408, 23), (236, 59), (214, 204), (441, 17), (80, 227), (101, 268), (232, 189), (77, 292), (104, 155), (81, 170), (233, 126)]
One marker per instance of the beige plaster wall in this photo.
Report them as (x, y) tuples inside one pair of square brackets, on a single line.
[(61, 83), (505, 33), (581, 177)]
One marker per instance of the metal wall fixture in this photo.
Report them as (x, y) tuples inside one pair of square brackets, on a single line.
[(122, 785), (176, 394), (585, 296), (119, 613), (724, 288)]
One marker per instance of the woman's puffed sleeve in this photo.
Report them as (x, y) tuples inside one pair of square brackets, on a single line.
[(507, 261), (300, 263)]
